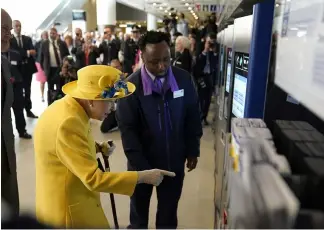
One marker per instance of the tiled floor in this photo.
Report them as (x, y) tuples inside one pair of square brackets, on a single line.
[(196, 208)]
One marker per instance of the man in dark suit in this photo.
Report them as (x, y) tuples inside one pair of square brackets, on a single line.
[(24, 45), (9, 185), (18, 88), (160, 128), (130, 50), (52, 53), (205, 74), (109, 47)]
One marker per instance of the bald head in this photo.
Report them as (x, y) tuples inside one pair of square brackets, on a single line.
[(16, 25), (6, 26)]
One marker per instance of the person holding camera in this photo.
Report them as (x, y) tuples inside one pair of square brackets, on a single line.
[(205, 74), (64, 75), (86, 54)]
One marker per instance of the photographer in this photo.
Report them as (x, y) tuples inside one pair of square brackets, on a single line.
[(66, 74), (205, 74), (87, 54)]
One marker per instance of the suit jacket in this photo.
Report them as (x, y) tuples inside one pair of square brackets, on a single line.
[(68, 180), (143, 125), (15, 65), (29, 61), (8, 156), (45, 54), (200, 65), (184, 61), (110, 51)]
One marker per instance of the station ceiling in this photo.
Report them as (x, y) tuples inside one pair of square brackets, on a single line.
[(193, 9)]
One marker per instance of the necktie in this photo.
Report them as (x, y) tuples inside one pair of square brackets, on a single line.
[(159, 85), (19, 42), (57, 58)]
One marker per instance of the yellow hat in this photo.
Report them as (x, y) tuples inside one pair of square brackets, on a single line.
[(99, 82)]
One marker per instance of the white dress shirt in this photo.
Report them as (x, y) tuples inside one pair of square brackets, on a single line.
[(153, 77), (52, 54)]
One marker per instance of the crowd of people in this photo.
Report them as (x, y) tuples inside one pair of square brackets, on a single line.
[(160, 122)]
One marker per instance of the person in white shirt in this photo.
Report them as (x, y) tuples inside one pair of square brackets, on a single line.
[(182, 25)]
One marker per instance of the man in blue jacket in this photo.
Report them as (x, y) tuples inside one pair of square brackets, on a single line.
[(160, 128)]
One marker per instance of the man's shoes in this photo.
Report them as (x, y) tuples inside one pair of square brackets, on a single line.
[(25, 135), (30, 114)]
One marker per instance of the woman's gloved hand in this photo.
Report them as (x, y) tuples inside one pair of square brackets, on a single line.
[(153, 176), (106, 148)]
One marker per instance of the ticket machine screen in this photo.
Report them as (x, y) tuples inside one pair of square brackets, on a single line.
[(228, 71), (240, 83)]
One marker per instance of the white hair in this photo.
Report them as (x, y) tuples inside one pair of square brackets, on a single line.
[(184, 41)]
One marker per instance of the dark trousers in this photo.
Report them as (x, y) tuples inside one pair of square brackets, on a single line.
[(168, 195), (205, 95), (52, 81), (109, 122), (27, 80), (18, 107), (9, 184)]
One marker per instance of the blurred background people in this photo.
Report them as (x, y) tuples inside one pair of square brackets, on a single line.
[(172, 45), (182, 25), (109, 47), (52, 53), (40, 75), (205, 74), (183, 57), (24, 45), (78, 39), (87, 54), (131, 50)]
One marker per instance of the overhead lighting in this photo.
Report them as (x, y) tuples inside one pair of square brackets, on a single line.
[(161, 8), (189, 8), (154, 4), (183, 0), (277, 5), (187, 4), (170, 14), (177, 17), (191, 11), (166, 11), (123, 25)]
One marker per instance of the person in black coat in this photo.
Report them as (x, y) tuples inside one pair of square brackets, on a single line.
[(24, 45), (86, 54), (52, 54), (130, 50), (205, 74), (183, 57), (18, 88), (109, 47), (160, 128), (9, 184)]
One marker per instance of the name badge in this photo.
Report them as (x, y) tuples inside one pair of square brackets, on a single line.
[(178, 93), (13, 62)]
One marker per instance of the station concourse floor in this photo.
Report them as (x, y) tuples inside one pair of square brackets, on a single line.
[(196, 207)]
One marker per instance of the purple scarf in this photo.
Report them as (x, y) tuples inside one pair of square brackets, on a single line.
[(149, 85)]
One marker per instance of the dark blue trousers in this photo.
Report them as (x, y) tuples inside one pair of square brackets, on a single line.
[(168, 195)]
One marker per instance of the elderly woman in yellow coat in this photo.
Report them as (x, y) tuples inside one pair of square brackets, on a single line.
[(68, 180)]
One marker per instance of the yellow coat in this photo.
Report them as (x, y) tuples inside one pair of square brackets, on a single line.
[(68, 180)]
